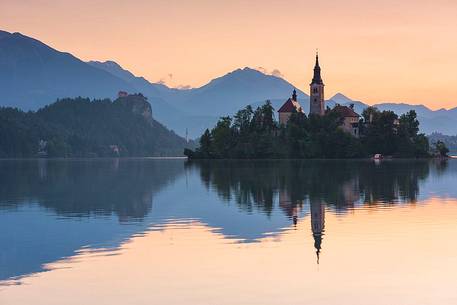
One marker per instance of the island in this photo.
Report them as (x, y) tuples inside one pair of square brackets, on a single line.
[(337, 132)]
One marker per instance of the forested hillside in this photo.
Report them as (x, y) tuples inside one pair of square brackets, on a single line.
[(84, 128)]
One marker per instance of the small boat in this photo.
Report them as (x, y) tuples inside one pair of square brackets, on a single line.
[(378, 157)]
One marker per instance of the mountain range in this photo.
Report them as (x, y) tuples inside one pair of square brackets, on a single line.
[(33, 74)]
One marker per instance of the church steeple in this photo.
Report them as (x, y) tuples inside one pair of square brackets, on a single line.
[(294, 95), (316, 100), (317, 79)]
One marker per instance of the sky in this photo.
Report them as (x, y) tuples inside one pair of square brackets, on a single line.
[(373, 51)]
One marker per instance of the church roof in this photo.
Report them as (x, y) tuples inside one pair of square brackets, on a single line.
[(291, 106), (346, 111)]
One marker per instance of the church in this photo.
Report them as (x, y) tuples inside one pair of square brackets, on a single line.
[(317, 104)]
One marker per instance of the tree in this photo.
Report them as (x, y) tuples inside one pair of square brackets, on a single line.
[(409, 123), (297, 136), (242, 120), (441, 148), (205, 148), (222, 137)]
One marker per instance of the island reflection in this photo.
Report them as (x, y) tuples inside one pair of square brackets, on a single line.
[(318, 184), (57, 207)]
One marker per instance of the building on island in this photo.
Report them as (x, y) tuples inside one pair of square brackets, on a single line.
[(316, 91), (317, 104), (350, 119), (290, 106)]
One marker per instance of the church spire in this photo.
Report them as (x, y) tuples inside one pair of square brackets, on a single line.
[(294, 95), (316, 100), (317, 79)]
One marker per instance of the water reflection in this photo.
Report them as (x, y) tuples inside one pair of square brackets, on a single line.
[(55, 208), (337, 185), (340, 184), (82, 188)]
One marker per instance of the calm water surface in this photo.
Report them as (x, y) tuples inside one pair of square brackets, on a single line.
[(228, 232)]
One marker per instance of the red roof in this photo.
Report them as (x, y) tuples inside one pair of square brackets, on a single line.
[(290, 106), (346, 111)]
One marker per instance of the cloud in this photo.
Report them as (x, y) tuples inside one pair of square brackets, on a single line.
[(277, 73), (262, 69), (274, 72), (184, 87), (166, 79)]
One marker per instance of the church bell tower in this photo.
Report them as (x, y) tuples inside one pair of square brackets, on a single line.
[(316, 94)]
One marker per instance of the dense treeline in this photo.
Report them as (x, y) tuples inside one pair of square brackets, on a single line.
[(84, 128), (256, 134)]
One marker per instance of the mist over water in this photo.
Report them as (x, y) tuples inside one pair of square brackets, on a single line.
[(148, 231)]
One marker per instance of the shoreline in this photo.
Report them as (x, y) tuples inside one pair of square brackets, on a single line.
[(210, 159)]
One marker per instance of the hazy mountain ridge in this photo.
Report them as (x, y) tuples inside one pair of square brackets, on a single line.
[(441, 120), (237, 89), (33, 74), (196, 109)]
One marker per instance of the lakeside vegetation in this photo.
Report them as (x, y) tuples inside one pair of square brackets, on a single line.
[(440, 139), (87, 128), (255, 134)]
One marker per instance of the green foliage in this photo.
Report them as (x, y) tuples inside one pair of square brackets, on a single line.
[(449, 141), (441, 148), (385, 133), (84, 128), (256, 134)]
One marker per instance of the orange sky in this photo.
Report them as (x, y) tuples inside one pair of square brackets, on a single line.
[(375, 51)]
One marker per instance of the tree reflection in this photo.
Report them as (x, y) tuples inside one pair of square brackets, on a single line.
[(321, 184), (86, 187), (340, 184)]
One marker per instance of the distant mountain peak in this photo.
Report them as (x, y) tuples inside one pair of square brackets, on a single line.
[(341, 98), (245, 71), (110, 63), (113, 68), (249, 69)]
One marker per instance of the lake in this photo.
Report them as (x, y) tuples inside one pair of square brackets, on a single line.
[(148, 231)]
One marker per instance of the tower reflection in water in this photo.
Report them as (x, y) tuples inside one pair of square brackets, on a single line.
[(317, 224), (293, 209), (310, 187)]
